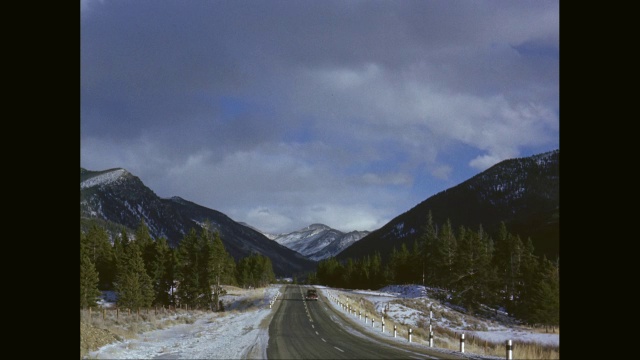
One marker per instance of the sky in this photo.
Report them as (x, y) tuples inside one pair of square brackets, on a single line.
[(281, 114)]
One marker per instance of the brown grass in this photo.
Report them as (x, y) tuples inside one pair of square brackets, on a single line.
[(98, 328), (445, 338)]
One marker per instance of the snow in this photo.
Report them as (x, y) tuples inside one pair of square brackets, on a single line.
[(236, 333), (226, 335), (495, 331), (102, 179)]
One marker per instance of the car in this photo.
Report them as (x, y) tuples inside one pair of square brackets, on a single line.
[(312, 294)]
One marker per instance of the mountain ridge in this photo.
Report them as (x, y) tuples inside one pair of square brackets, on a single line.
[(119, 197), (523, 192)]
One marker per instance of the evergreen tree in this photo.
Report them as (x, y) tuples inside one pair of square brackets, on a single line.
[(445, 255), (134, 286), (429, 240), (220, 267), (189, 260), (462, 283), (546, 295), (100, 253), (376, 273), (162, 271), (508, 254), (146, 245), (88, 282), (527, 280)]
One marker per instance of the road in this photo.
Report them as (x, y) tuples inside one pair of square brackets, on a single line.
[(314, 330)]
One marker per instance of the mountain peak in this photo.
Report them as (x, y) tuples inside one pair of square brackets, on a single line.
[(317, 226), (96, 178)]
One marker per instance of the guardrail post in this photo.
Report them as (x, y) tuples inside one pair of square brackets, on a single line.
[(462, 343), (509, 350), (409, 334)]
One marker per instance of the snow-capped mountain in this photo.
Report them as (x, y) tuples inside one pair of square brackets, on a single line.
[(117, 198), (522, 192), (318, 241)]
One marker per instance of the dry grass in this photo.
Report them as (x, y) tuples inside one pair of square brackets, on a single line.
[(445, 338), (99, 328)]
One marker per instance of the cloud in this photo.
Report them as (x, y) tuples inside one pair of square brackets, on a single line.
[(360, 108)]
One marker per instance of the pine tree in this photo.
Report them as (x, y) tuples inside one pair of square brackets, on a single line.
[(429, 240), (464, 271), (88, 282), (445, 255), (546, 295), (508, 254), (162, 271), (100, 252), (524, 288), (134, 286), (188, 258), (146, 245), (217, 261)]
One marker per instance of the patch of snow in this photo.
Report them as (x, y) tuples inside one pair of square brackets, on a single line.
[(225, 335), (389, 296), (102, 179)]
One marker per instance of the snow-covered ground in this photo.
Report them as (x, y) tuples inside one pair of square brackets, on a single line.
[(228, 335), (492, 330), (237, 334)]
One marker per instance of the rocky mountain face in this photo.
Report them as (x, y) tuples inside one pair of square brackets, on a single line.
[(116, 197), (318, 241), (522, 192)]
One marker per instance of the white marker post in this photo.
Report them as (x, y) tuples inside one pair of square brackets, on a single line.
[(373, 322), (360, 314), (462, 343), (382, 323), (430, 339), (395, 331), (509, 350), (409, 334), (365, 318)]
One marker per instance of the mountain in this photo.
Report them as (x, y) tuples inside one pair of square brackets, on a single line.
[(115, 196), (522, 192), (318, 241)]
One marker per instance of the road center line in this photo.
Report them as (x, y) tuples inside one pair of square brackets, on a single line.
[(323, 340), (338, 348), (317, 333)]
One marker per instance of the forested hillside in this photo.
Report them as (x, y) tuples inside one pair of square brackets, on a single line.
[(145, 271), (470, 268)]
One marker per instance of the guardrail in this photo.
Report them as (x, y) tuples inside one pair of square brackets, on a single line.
[(335, 299)]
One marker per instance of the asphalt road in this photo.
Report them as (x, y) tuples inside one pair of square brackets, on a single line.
[(314, 330)]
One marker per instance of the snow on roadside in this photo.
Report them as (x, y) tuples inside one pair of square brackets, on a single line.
[(228, 335), (495, 332)]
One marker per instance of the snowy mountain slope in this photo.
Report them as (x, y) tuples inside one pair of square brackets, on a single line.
[(318, 241), (118, 197), (522, 192)]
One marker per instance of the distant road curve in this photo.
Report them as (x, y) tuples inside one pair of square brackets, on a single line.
[(308, 330)]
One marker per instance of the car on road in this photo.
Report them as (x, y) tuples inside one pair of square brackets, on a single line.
[(312, 294)]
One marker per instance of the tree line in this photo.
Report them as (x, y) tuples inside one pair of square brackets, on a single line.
[(466, 267), (144, 271)]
